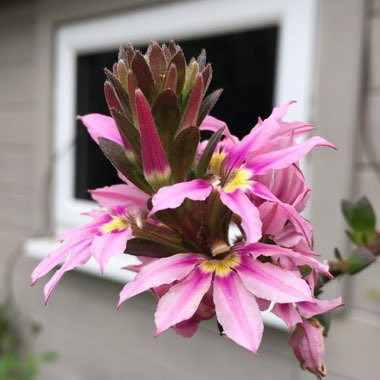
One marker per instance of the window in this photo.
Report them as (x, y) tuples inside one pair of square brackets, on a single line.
[(275, 37), (246, 74)]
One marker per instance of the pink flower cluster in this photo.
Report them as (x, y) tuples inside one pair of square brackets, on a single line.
[(178, 215)]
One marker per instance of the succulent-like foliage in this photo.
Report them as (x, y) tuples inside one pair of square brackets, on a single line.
[(158, 102)]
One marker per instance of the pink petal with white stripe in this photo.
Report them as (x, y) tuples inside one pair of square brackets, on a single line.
[(310, 309), (53, 259), (237, 311), (86, 230), (120, 195), (299, 222), (101, 126), (159, 272), (182, 300), (283, 158), (288, 313), (273, 217), (105, 246), (173, 196), (77, 258), (241, 205), (270, 250), (270, 282)]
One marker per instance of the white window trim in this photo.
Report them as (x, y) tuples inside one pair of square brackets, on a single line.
[(296, 46)]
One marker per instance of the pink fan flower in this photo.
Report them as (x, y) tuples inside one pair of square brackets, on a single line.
[(236, 280), (105, 236), (236, 178)]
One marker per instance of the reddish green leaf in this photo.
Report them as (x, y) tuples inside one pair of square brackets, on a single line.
[(208, 104), (121, 94), (190, 115), (182, 153), (179, 60), (166, 114), (208, 152), (202, 59), (207, 76), (111, 98), (128, 132), (118, 157), (144, 76), (171, 78), (157, 63)]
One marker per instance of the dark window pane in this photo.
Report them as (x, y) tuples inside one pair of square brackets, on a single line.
[(243, 65)]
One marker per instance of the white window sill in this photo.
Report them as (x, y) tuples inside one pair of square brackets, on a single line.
[(38, 248)]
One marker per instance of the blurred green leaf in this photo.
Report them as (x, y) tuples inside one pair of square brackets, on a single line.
[(361, 218), (359, 259), (305, 270), (338, 255)]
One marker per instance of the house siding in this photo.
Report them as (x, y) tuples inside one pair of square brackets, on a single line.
[(92, 339)]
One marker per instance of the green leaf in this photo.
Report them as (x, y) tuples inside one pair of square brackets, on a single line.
[(192, 72), (359, 259), (208, 152), (166, 114), (118, 157), (338, 255), (361, 217), (182, 153), (305, 270)]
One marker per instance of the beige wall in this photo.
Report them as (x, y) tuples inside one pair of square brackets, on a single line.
[(81, 324)]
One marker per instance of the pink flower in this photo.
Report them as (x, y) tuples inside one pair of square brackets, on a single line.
[(105, 236), (236, 280), (237, 178)]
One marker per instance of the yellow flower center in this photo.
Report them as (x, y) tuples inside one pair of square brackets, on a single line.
[(240, 179), (221, 267), (215, 165), (115, 224)]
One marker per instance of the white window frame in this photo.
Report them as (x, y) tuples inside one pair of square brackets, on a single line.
[(294, 67)]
